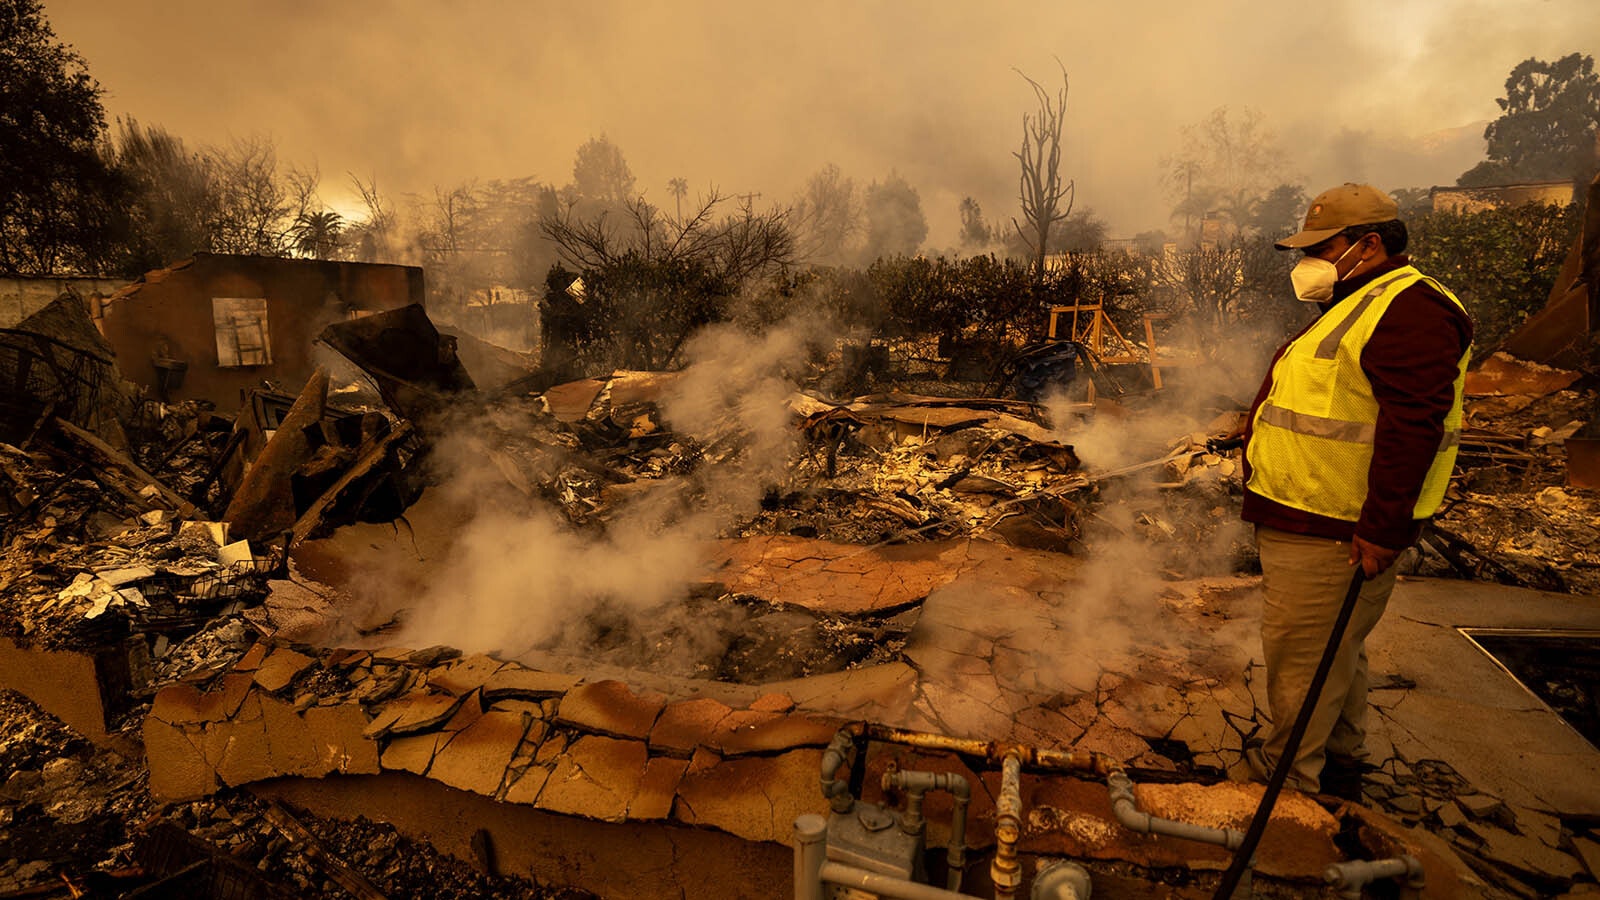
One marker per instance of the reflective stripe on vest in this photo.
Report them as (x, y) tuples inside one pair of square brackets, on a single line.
[(1312, 438)]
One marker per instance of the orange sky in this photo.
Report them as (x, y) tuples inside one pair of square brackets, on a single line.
[(754, 96)]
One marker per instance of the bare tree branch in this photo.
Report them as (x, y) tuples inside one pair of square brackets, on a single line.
[(1041, 189)]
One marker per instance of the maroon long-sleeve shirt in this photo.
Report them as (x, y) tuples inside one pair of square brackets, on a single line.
[(1411, 362)]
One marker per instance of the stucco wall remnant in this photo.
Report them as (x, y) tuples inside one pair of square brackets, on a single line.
[(167, 321)]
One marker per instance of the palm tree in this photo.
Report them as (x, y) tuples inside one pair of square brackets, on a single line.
[(679, 187), (318, 235)]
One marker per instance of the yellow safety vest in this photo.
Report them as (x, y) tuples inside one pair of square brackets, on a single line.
[(1311, 439)]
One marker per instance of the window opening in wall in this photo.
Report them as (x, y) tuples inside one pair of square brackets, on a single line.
[(241, 327)]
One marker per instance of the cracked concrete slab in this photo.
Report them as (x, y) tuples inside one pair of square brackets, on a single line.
[(687, 724), (756, 798), (597, 777), (465, 675), (183, 772), (658, 788), (413, 713), (836, 578), (282, 667), (987, 660), (477, 758), (1464, 709), (413, 753), (611, 707), (512, 681)]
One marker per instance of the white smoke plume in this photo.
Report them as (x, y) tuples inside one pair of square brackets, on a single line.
[(515, 579)]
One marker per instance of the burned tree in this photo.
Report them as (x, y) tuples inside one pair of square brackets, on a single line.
[(649, 280), (1215, 280), (1045, 198)]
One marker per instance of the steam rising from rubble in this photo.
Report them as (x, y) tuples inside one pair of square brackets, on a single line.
[(516, 579), (1115, 610)]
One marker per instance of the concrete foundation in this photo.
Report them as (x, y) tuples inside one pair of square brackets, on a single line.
[(619, 861)]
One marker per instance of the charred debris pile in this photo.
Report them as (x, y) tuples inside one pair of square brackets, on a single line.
[(160, 538), (125, 519)]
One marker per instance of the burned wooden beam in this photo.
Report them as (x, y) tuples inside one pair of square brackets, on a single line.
[(121, 474), (263, 505), (309, 844), (356, 478)]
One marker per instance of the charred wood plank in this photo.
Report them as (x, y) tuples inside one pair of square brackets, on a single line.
[(106, 460), (309, 844), (369, 460)]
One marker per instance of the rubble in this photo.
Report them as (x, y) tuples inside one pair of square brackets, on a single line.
[(1511, 517), (75, 814), (921, 562)]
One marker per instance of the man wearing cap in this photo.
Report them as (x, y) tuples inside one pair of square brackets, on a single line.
[(1348, 450)]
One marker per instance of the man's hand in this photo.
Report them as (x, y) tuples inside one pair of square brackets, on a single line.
[(1372, 558)]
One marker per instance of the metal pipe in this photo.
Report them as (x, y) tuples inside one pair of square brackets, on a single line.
[(1006, 870), (1126, 809), (835, 790), (1081, 761), (1351, 877), (810, 851), (916, 784), (1061, 880), (883, 885)]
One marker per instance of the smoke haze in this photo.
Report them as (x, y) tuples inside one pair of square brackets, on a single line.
[(756, 97), (514, 579)]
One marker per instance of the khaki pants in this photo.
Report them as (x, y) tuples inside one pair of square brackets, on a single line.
[(1305, 580)]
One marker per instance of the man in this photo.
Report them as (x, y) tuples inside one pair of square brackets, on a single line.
[(1348, 450)]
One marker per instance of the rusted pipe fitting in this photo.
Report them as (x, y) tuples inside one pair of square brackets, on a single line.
[(1351, 877), (835, 790), (1079, 761), (1006, 870), (916, 784)]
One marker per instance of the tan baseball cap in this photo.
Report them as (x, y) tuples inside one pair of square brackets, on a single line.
[(1337, 209)]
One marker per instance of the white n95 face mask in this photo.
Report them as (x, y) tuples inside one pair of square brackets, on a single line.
[(1314, 278)]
